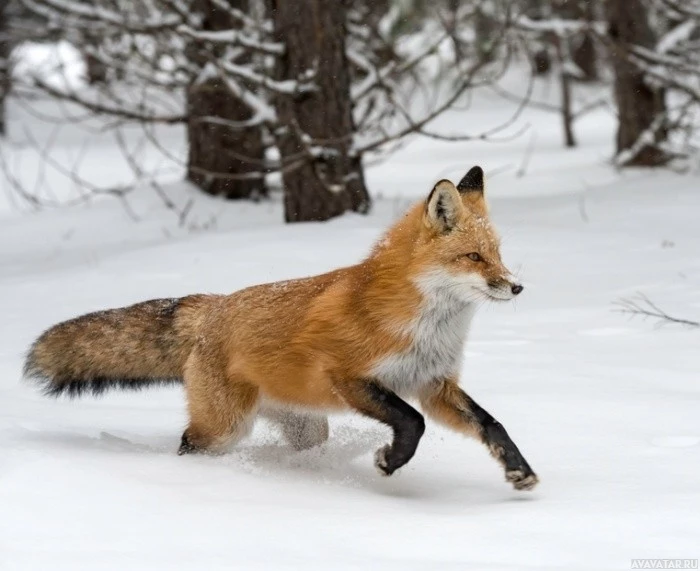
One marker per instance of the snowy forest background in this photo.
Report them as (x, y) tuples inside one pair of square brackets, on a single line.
[(301, 98), (156, 148)]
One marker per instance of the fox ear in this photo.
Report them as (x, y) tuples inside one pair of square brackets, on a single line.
[(443, 207), (473, 181)]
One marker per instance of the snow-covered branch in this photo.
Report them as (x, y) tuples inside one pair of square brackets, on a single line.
[(557, 26), (95, 15), (233, 37)]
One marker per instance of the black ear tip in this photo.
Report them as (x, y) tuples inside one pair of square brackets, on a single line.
[(473, 180)]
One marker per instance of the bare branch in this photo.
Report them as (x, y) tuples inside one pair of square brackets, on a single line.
[(100, 108), (644, 307)]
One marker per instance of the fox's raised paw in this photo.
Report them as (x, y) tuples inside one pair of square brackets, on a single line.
[(381, 462), (522, 480)]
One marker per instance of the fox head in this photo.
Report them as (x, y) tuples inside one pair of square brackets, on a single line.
[(460, 251)]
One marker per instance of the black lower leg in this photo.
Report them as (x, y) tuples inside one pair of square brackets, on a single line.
[(408, 425), (494, 435)]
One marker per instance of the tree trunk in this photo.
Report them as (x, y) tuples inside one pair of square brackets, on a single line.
[(541, 58), (583, 50), (5, 73), (639, 104), (484, 31), (322, 178), (581, 46), (223, 160), (583, 55), (565, 81), (95, 70)]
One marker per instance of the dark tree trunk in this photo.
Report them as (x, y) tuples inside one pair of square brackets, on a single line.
[(542, 61), (451, 27), (583, 55), (541, 56), (223, 160), (639, 104), (581, 46), (5, 73), (583, 50), (95, 70), (566, 112), (484, 31), (317, 126)]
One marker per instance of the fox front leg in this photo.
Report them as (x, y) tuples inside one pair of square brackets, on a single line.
[(450, 405), (371, 399)]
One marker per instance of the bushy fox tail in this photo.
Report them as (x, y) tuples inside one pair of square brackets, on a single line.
[(128, 348)]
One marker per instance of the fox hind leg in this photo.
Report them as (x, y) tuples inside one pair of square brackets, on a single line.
[(217, 424), (222, 410), (301, 430)]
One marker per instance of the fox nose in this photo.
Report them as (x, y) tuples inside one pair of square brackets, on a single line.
[(516, 289)]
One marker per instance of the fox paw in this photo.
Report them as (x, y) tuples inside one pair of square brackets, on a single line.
[(522, 480), (380, 461), (186, 446)]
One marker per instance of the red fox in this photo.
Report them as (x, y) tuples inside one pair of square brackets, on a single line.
[(363, 338)]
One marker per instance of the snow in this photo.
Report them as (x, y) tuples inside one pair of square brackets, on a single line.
[(59, 65), (604, 408), (675, 36)]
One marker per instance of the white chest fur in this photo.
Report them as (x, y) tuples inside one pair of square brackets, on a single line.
[(438, 335)]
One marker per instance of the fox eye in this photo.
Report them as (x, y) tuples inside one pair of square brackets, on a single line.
[(474, 257)]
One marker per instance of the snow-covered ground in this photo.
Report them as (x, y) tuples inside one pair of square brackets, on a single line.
[(606, 409)]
